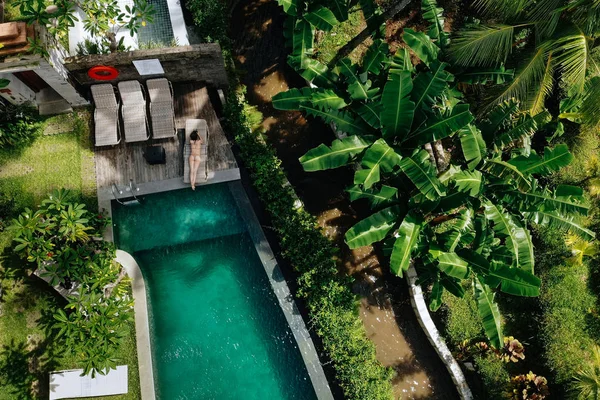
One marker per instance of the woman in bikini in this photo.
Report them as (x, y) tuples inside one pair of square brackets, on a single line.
[(195, 143)]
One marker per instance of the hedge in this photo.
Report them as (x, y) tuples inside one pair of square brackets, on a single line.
[(332, 306)]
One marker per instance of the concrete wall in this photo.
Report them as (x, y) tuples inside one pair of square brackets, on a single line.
[(16, 92), (203, 62)]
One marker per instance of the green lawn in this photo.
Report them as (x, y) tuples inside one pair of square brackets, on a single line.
[(60, 158)]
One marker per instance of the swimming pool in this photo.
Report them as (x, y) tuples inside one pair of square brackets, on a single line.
[(217, 330)]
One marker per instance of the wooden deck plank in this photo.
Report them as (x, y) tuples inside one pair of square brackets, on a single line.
[(118, 164)]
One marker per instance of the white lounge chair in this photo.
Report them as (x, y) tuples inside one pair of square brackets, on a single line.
[(70, 384), (202, 128), (162, 112), (106, 115), (133, 111)]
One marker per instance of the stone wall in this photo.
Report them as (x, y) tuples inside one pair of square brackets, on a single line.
[(203, 63)]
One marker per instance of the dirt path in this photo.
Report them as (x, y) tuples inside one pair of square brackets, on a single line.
[(257, 27)]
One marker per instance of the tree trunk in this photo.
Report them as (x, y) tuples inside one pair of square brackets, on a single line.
[(440, 156), (345, 50)]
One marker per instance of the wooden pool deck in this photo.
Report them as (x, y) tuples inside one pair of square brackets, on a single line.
[(118, 164)]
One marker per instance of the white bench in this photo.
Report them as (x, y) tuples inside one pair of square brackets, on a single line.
[(69, 383)]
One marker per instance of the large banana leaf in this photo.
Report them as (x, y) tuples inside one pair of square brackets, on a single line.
[(376, 198), (473, 146), (552, 160), (358, 89), (343, 120), (483, 76), (291, 99), (452, 285), (370, 112), (339, 154), (339, 9), (544, 200), (526, 126), (379, 158), (398, 109), (515, 281), (462, 232), (434, 15), (315, 72), (489, 313), (452, 265), (422, 45), (375, 56), (401, 61), (407, 238), (322, 18), (469, 181), (327, 98), (516, 237), (435, 298), (289, 6), (419, 169), (507, 172), (302, 42), (556, 220), (441, 126), (429, 85), (373, 228)]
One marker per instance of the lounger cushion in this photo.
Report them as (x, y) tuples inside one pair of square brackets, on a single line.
[(134, 122), (163, 123), (131, 93), (106, 126)]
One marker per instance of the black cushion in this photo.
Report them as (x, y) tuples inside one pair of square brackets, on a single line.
[(155, 155)]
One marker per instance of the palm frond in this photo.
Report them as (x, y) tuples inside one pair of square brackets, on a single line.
[(483, 45), (542, 89), (546, 15), (508, 9), (525, 79), (571, 56)]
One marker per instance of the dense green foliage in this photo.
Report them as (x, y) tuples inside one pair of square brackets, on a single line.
[(550, 43), (209, 19), (331, 303), (491, 192), (19, 125), (63, 240)]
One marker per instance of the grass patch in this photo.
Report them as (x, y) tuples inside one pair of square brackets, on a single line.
[(329, 43), (60, 158)]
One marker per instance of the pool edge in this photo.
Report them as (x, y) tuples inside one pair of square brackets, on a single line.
[(142, 324), (282, 291)]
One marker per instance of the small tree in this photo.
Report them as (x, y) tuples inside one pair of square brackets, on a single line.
[(104, 18)]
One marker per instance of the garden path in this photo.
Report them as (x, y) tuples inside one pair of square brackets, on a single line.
[(385, 309)]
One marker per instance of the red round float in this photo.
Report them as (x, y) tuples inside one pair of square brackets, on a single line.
[(103, 73)]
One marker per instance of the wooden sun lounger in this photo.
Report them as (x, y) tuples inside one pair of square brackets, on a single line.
[(162, 112), (106, 115), (133, 111), (202, 128)]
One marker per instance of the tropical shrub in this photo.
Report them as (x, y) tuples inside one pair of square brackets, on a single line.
[(528, 387), (586, 383), (468, 220), (209, 19), (551, 45), (328, 296), (103, 19), (19, 125), (63, 240)]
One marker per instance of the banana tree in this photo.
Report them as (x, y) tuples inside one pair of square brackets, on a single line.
[(469, 222)]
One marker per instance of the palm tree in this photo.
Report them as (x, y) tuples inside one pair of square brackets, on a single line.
[(586, 383), (551, 41)]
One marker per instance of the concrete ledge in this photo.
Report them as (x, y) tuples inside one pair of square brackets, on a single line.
[(142, 325), (422, 312), (285, 298)]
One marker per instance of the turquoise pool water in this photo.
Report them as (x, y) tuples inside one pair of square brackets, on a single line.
[(217, 330)]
